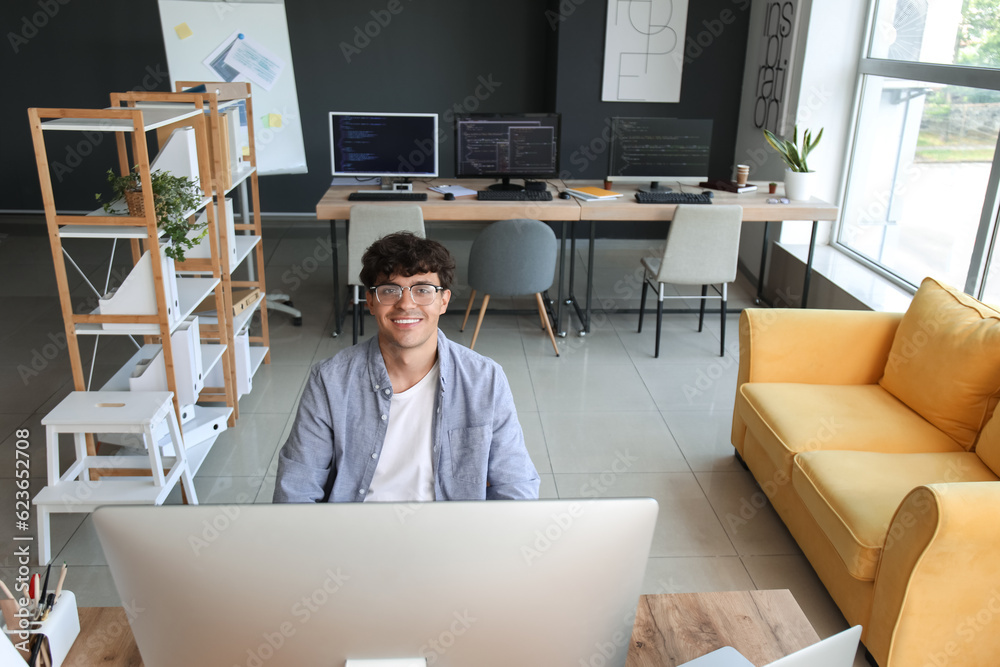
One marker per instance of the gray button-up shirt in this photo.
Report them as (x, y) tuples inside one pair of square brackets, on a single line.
[(340, 427)]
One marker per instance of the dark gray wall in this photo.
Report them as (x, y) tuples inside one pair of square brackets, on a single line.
[(714, 55), (536, 55)]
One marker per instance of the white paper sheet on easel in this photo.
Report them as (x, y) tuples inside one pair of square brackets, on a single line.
[(200, 40), (254, 61)]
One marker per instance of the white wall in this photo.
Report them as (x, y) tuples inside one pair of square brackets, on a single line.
[(825, 52)]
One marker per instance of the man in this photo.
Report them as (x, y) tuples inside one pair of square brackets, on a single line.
[(407, 415)]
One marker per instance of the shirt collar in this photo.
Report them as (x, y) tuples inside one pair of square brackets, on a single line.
[(379, 376)]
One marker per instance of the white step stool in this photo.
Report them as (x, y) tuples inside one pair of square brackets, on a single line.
[(85, 412)]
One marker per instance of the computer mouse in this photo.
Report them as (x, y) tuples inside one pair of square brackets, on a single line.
[(708, 192), (449, 196), (564, 195)]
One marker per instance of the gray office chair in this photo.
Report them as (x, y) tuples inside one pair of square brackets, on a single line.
[(368, 223), (512, 258), (702, 249)]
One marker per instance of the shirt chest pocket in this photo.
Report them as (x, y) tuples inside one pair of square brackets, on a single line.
[(470, 453)]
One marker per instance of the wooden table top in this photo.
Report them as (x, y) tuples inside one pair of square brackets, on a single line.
[(762, 625), (335, 206), (755, 206), (669, 630)]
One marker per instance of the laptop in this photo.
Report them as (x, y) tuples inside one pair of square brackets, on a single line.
[(546, 582), (836, 651)]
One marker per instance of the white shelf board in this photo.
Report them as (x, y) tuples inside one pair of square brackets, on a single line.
[(244, 245), (240, 176), (257, 354), (210, 355), (103, 232), (152, 118), (190, 293)]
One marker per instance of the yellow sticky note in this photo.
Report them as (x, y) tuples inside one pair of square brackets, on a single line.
[(271, 120), (183, 31)]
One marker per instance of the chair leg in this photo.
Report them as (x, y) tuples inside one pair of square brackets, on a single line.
[(479, 322), (722, 336), (701, 311), (642, 300), (357, 312), (659, 320), (545, 321), (468, 309)]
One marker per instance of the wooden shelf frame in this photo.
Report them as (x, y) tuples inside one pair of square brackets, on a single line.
[(140, 230)]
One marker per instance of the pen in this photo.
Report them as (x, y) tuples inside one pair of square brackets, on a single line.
[(49, 603), (45, 583), (62, 578), (34, 590)]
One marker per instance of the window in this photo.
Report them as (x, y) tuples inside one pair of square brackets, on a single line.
[(922, 183)]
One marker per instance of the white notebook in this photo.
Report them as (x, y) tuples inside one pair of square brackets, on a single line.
[(836, 651)]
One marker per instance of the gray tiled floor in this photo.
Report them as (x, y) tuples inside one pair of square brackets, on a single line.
[(605, 418)]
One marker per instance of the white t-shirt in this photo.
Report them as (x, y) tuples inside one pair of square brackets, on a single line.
[(405, 470)]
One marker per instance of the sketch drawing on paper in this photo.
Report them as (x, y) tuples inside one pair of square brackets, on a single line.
[(644, 50)]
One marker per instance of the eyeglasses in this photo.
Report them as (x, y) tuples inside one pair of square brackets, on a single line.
[(422, 295)]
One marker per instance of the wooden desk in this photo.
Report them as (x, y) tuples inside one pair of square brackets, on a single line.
[(762, 625), (669, 630), (335, 206), (755, 209)]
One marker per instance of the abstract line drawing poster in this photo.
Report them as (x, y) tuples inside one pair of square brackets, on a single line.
[(644, 50)]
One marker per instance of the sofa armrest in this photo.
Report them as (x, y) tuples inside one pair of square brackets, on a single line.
[(937, 588), (812, 347)]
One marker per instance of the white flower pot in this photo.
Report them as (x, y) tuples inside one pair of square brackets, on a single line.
[(799, 184)]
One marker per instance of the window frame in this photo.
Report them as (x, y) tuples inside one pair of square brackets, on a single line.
[(987, 244)]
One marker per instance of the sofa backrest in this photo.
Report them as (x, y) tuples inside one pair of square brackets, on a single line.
[(945, 361)]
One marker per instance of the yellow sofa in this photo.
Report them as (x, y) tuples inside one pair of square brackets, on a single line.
[(874, 436)]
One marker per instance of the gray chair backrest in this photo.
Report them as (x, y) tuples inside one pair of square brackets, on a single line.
[(513, 258), (370, 222), (703, 245)]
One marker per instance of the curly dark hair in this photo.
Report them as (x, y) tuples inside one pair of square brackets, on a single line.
[(406, 254)]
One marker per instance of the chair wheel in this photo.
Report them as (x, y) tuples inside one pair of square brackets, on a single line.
[(296, 321)]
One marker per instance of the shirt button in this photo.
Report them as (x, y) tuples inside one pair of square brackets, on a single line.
[(384, 417), (376, 386), (387, 392), (375, 456), (361, 492)]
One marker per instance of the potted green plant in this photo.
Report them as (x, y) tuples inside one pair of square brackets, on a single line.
[(173, 197), (798, 175)]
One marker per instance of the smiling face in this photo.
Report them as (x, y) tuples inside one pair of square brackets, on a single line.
[(404, 325)]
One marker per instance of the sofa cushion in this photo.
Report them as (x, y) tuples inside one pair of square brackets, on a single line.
[(853, 496), (988, 445), (791, 418), (945, 361)]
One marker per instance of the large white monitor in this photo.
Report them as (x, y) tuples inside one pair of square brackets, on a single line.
[(387, 145), (503, 583)]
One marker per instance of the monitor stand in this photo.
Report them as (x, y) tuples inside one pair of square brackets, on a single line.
[(654, 186), (505, 184)]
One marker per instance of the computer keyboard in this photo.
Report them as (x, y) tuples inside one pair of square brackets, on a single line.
[(387, 196), (672, 198), (514, 195)]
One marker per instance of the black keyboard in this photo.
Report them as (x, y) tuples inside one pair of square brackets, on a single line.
[(514, 195), (672, 198), (387, 196)]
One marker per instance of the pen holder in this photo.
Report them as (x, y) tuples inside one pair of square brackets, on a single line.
[(58, 631)]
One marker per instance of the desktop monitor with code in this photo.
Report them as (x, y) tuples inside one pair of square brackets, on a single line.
[(546, 582), (506, 146), (654, 150), (385, 145)]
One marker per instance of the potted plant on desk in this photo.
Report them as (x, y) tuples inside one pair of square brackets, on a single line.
[(798, 177), (173, 197)]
